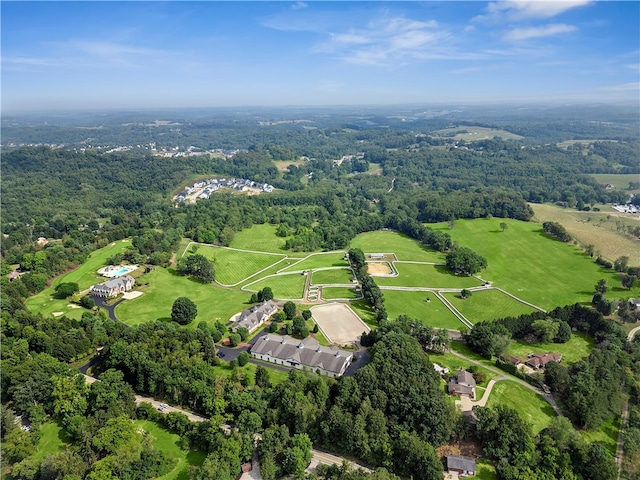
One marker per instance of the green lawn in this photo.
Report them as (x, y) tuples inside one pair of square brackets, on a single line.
[(364, 311), (618, 180), (319, 260), (531, 407), (337, 275), (261, 238), (85, 276), (405, 248), (330, 293), (532, 266), (213, 302), (578, 346), (283, 286), (487, 305), (420, 275), (52, 439), (484, 471), (414, 304), (167, 443), (233, 266), (606, 435)]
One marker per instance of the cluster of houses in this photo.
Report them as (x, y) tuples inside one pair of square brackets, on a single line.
[(113, 287), (204, 188), (308, 353)]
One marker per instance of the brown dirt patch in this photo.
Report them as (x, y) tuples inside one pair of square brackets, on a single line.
[(339, 323), (379, 268)]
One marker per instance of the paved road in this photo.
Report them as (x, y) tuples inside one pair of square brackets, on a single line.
[(100, 302), (632, 334)]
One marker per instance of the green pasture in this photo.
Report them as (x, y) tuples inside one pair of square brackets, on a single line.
[(606, 435), (421, 275), (226, 370), (484, 471), (213, 302), (52, 439), (618, 180), (168, 443), (319, 260), (233, 266), (527, 263), (260, 238), (405, 248), (335, 275), (85, 276), (487, 305), (283, 286), (414, 304), (365, 312), (578, 347), (531, 407), (331, 293)]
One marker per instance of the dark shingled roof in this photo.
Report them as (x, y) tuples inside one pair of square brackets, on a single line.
[(459, 462)]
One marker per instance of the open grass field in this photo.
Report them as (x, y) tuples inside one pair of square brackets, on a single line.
[(284, 286), (330, 293), (233, 266), (531, 407), (167, 443), (415, 305), (421, 275), (525, 262), (606, 435), (618, 180), (405, 248), (261, 238), (52, 439), (578, 346), (337, 275), (364, 311), (213, 302), (487, 305), (473, 133), (454, 363), (85, 275), (319, 260), (599, 229)]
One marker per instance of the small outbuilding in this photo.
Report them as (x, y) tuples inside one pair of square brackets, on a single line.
[(463, 466)]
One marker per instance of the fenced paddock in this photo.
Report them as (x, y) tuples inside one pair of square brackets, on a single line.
[(339, 323)]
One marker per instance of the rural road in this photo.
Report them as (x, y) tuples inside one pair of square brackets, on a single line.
[(632, 334)]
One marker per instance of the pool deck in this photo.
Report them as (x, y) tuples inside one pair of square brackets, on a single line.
[(110, 270)]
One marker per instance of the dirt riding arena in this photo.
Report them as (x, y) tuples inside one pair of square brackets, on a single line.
[(379, 268), (339, 323)]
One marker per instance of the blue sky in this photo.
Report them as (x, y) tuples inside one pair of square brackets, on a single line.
[(98, 55)]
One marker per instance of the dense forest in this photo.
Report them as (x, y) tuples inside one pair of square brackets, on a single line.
[(392, 415)]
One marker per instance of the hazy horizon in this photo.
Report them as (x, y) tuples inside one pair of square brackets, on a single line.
[(138, 56)]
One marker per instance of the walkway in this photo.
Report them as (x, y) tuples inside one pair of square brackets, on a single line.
[(466, 404), (632, 334)]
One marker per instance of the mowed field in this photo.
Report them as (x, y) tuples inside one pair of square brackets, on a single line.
[(618, 180), (487, 305), (233, 266), (261, 238), (524, 261), (289, 286), (595, 228), (421, 275), (405, 248), (213, 302), (531, 407), (414, 304), (578, 347), (318, 260), (474, 133), (335, 275), (331, 293)]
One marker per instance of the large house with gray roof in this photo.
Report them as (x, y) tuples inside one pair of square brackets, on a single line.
[(253, 317), (307, 353), (113, 287)]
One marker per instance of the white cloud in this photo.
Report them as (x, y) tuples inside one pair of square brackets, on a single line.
[(525, 33), (299, 5), (529, 9)]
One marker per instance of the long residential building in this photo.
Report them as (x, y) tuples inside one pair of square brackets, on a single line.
[(300, 354), (253, 317), (113, 287)]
